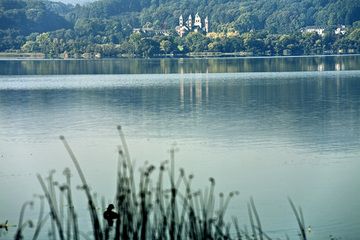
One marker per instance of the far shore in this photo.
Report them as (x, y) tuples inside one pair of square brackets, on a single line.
[(42, 56)]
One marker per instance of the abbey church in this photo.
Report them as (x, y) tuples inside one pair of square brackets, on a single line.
[(192, 26)]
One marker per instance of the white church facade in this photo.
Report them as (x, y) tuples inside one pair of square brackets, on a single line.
[(197, 25)]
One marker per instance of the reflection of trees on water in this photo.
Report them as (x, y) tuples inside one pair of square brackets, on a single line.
[(283, 92), (165, 66), (324, 105)]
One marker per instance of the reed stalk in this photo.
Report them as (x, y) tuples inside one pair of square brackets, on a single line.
[(40, 217), (52, 207), (92, 208), (299, 218)]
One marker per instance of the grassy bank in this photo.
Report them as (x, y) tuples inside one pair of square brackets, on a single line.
[(21, 55)]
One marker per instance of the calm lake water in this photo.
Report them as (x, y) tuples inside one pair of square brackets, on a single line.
[(267, 127)]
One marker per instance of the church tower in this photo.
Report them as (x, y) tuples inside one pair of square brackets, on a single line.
[(190, 22), (197, 21), (206, 24), (181, 21)]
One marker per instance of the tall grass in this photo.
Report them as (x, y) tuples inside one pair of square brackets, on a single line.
[(162, 206)]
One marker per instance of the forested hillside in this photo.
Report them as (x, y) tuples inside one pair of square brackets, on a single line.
[(107, 25), (281, 16)]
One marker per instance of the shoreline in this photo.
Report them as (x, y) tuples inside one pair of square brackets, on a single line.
[(42, 56)]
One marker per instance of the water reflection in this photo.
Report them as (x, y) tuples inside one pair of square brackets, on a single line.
[(266, 134), (165, 66), (320, 111)]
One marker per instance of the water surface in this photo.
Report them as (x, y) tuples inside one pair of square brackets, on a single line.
[(271, 131)]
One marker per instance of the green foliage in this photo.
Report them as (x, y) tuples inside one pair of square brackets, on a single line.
[(27, 16), (196, 42), (355, 35), (167, 46), (339, 12), (247, 22)]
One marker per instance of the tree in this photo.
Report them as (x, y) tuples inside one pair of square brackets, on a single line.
[(253, 44), (196, 42), (148, 47), (166, 46), (246, 22)]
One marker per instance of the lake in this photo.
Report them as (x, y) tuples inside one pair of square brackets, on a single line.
[(267, 127)]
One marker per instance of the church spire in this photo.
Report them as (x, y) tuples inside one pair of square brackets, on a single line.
[(190, 22), (206, 24), (197, 21), (181, 21)]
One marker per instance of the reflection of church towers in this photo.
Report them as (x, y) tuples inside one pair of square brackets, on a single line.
[(191, 92)]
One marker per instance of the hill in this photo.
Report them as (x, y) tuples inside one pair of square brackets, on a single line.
[(112, 21), (278, 16)]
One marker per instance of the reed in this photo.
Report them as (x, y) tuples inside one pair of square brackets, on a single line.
[(41, 219), (299, 218), (53, 210), (98, 235), (22, 225), (162, 206), (71, 223)]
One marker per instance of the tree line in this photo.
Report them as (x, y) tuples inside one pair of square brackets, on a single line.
[(142, 45)]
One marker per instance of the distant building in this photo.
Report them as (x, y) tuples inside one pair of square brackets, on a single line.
[(181, 21), (189, 22), (197, 23), (314, 29), (197, 26), (206, 24), (340, 30), (151, 31), (182, 29)]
